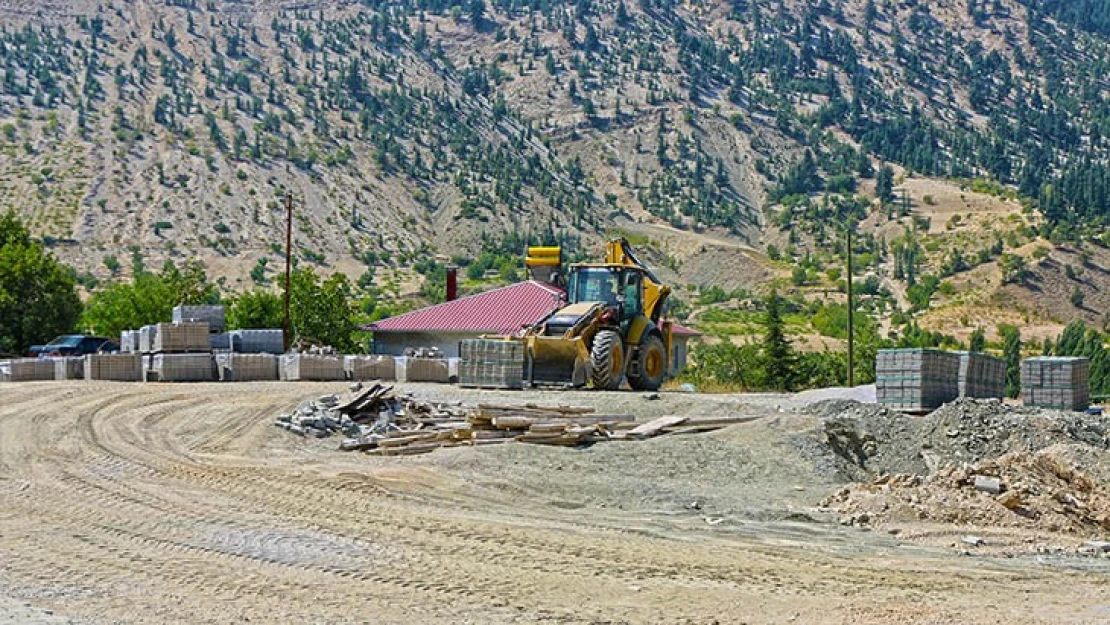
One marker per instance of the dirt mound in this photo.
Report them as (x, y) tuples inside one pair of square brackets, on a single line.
[(1042, 491), (867, 440)]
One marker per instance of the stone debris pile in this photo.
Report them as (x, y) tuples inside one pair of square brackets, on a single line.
[(366, 413), (1043, 490), (1019, 469)]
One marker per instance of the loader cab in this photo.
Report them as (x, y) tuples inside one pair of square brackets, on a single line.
[(618, 287)]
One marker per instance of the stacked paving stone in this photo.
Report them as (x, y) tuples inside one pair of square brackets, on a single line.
[(234, 367), (916, 380), (212, 315), (491, 364), (1056, 382), (422, 370), (118, 367), (181, 352), (30, 369), (257, 341), (129, 341), (361, 368), (319, 367), (981, 376), (69, 368)]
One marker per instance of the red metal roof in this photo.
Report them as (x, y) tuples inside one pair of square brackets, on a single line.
[(678, 330), (500, 311)]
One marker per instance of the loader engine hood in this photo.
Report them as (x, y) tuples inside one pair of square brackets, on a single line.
[(563, 320)]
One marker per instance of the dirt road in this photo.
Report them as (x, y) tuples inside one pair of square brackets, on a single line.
[(124, 503)]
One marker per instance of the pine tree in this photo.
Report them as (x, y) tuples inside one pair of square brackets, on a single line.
[(1011, 353), (778, 354), (884, 184), (978, 341)]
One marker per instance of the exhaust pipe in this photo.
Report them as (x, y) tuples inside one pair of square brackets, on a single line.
[(452, 283)]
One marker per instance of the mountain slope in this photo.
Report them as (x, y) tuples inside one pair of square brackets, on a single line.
[(168, 130)]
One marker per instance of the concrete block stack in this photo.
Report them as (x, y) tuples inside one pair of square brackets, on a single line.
[(491, 364), (179, 352), (916, 380), (146, 339), (220, 342), (69, 368), (187, 337), (422, 370), (233, 367), (319, 367), (1056, 382), (212, 315), (257, 341), (129, 341), (30, 369), (117, 367), (981, 376), (370, 367), (184, 367)]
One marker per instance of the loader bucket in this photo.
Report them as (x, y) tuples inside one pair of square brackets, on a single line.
[(558, 360)]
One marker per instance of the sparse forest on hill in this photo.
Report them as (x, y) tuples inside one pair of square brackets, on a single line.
[(967, 142)]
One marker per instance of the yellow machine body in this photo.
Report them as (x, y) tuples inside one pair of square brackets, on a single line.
[(561, 348)]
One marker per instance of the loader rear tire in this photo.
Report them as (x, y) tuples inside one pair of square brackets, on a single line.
[(652, 369), (607, 361)]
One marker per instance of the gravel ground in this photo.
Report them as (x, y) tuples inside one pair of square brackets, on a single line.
[(155, 503)]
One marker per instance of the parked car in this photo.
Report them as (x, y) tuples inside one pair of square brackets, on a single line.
[(74, 345)]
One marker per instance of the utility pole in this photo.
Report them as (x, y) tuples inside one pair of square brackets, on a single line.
[(287, 326), (851, 313)]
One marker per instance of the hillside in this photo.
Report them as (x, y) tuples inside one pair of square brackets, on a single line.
[(730, 138)]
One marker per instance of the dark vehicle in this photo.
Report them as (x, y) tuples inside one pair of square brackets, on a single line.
[(74, 345)]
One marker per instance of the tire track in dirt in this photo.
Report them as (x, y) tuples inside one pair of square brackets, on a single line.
[(161, 503)]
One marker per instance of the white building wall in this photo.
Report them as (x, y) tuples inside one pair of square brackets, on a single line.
[(395, 343)]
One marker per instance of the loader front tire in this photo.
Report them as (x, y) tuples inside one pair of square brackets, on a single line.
[(607, 361), (652, 370)]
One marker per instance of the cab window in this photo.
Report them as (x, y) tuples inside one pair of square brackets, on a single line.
[(633, 301)]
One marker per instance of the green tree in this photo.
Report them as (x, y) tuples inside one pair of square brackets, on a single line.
[(978, 341), (1077, 297), (323, 311), (476, 10), (1011, 353), (884, 184), (1013, 268), (778, 355), (38, 295), (257, 309), (148, 298)]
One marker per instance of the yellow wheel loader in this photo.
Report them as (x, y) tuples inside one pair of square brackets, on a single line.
[(611, 328)]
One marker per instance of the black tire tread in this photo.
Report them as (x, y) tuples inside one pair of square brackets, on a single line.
[(601, 355)]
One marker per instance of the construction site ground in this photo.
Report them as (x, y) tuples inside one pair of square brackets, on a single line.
[(149, 503)]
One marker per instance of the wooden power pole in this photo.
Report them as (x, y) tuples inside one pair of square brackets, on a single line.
[(287, 325), (851, 313)]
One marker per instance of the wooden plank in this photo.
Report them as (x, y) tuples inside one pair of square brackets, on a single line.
[(655, 426), (362, 398), (721, 421), (480, 435), (512, 422), (548, 427), (530, 408), (407, 440)]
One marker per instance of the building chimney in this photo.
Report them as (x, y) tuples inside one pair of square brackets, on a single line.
[(452, 283)]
